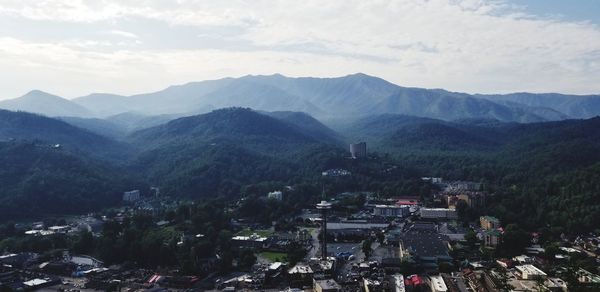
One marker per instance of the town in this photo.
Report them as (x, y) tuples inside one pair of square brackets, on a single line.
[(351, 241)]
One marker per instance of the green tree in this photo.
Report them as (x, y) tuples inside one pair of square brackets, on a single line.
[(366, 247)]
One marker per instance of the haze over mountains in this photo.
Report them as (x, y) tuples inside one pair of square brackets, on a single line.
[(348, 97)]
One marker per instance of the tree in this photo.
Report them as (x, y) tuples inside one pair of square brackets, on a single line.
[(471, 238), (445, 267), (380, 237), (502, 280), (514, 240), (247, 259), (366, 247)]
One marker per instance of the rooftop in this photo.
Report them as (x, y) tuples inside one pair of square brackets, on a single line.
[(530, 269), (328, 284)]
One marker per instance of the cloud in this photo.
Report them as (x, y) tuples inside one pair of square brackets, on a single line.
[(470, 45), (124, 34)]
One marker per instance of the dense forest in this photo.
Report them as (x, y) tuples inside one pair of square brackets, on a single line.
[(540, 173)]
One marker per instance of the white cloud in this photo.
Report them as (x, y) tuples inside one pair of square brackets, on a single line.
[(473, 46), (124, 34)]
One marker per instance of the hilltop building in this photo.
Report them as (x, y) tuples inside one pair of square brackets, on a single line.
[(358, 150), (131, 196), (276, 195)]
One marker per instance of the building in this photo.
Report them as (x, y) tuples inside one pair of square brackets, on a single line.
[(438, 213), (88, 261), (461, 186), (489, 222), (249, 242), (491, 237), (424, 247), (131, 196), (556, 285), (391, 211), (399, 283), (433, 180), (276, 195), (583, 276), (326, 286), (60, 229), (530, 272), (336, 172), (437, 284), (358, 150), (324, 206), (472, 199), (300, 275)]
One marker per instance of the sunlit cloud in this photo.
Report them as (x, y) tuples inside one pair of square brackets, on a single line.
[(472, 46)]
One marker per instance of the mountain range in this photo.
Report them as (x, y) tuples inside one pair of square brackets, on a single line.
[(221, 152), (346, 98)]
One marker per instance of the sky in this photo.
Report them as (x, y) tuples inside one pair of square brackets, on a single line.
[(75, 47)]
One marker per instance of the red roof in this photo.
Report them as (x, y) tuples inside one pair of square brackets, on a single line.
[(413, 280)]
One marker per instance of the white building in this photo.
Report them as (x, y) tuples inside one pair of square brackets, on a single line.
[(131, 196), (277, 195), (399, 283), (437, 284), (438, 213), (530, 272)]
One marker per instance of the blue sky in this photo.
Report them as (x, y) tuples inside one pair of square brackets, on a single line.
[(571, 10), (75, 47)]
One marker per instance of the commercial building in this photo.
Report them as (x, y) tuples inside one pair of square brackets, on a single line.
[(530, 272), (300, 275), (276, 195), (131, 196), (489, 222), (358, 150), (391, 211), (326, 286), (248, 242), (438, 213), (424, 247)]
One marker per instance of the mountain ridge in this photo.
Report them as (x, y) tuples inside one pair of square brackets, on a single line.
[(350, 97)]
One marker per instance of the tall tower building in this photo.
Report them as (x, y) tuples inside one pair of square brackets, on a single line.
[(358, 150), (324, 206)]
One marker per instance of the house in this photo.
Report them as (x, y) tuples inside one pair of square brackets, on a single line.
[(491, 237)]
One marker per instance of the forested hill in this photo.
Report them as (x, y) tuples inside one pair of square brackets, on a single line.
[(38, 180), (22, 126), (218, 152), (232, 124), (545, 171)]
